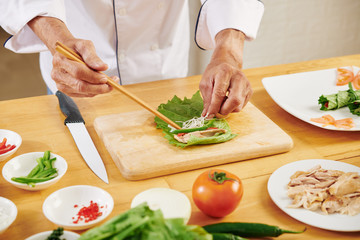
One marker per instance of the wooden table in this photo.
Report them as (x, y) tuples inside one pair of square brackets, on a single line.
[(40, 123)]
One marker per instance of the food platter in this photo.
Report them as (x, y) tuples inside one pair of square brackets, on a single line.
[(298, 94), (277, 188)]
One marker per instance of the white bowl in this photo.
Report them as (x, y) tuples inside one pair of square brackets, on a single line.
[(60, 207), (43, 235), (8, 213), (21, 166), (172, 203), (12, 138)]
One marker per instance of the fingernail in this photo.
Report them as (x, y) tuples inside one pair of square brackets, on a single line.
[(103, 80)]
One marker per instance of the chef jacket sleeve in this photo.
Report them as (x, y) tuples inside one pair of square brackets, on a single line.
[(217, 15), (15, 14)]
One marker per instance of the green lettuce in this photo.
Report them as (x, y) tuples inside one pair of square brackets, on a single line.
[(142, 223), (180, 111)]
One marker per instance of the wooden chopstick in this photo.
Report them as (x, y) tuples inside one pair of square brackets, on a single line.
[(70, 54)]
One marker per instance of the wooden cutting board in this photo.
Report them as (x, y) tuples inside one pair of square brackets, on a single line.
[(140, 151)]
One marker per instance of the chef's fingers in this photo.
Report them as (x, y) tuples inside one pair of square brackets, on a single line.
[(239, 93), (76, 69), (72, 86), (206, 88), (87, 51), (218, 96)]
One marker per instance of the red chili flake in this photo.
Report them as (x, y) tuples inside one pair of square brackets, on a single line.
[(75, 206), (89, 213)]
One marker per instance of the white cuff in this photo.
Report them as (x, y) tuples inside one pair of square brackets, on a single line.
[(217, 15), (16, 16)]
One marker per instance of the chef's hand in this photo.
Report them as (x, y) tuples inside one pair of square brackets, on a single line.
[(224, 86), (76, 79), (73, 78)]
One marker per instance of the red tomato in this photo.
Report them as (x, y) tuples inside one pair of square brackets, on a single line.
[(217, 192)]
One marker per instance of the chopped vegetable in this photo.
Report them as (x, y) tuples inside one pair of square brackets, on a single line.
[(326, 120), (256, 230), (55, 235), (141, 223), (88, 214), (181, 111), (217, 193), (4, 148), (344, 76), (43, 171)]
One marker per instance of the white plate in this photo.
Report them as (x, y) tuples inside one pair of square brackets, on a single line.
[(277, 188), (60, 208), (298, 94), (43, 235), (21, 166), (12, 138)]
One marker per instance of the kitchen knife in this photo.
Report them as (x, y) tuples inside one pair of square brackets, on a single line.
[(76, 125)]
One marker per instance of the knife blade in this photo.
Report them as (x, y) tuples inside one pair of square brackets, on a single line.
[(76, 125)]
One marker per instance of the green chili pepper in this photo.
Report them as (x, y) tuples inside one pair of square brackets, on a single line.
[(248, 229), (187, 130)]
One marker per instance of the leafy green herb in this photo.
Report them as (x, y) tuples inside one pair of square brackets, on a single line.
[(55, 235), (142, 223), (43, 171), (180, 111)]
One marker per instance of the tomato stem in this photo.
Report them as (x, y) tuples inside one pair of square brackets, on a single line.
[(220, 177)]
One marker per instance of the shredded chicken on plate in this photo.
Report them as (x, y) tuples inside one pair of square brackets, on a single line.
[(331, 191)]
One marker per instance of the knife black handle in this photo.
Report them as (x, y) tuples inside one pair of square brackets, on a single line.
[(69, 108)]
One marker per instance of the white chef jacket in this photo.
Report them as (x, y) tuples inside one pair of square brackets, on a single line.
[(140, 40)]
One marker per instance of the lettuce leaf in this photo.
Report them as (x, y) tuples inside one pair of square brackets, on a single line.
[(142, 223), (180, 111)]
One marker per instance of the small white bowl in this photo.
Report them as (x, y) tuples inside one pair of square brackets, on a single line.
[(62, 206), (21, 166), (12, 138), (8, 213), (43, 235), (172, 203)]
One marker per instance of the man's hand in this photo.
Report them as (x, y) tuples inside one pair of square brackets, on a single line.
[(73, 78), (224, 86)]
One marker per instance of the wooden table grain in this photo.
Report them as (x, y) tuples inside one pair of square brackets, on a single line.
[(41, 124)]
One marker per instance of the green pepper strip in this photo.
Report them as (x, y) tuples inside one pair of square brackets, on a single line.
[(31, 180), (187, 130), (34, 171)]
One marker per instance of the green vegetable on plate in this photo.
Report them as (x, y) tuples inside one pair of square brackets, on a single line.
[(56, 234), (339, 99), (43, 171)]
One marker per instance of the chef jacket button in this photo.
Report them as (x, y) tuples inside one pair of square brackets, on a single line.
[(122, 11), (154, 47), (121, 57)]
